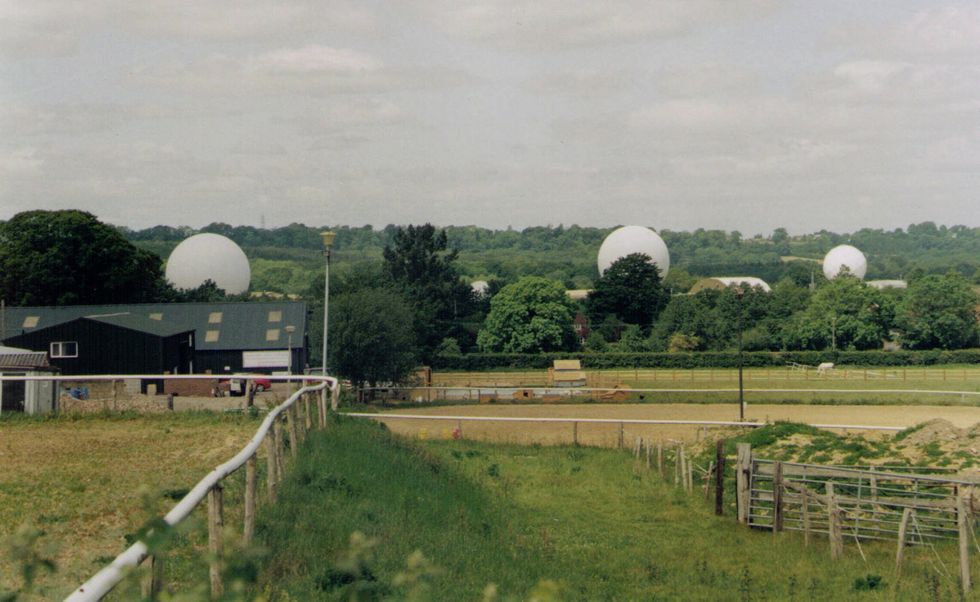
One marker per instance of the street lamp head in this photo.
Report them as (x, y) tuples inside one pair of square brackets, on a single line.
[(290, 329), (328, 239)]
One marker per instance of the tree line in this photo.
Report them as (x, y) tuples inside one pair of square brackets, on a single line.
[(408, 301)]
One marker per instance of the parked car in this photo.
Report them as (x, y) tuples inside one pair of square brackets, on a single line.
[(236, 385)]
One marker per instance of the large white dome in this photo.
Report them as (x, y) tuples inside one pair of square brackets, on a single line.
[(844, 255), (209, 257), (634, 239)]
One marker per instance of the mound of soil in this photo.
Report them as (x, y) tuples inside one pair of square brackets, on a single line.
[(939, 430)]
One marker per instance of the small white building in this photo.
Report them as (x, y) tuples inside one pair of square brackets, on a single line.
[(723, 282), (26, 396), (883, 284)]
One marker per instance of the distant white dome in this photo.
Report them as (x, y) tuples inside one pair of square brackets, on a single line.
[(634, 239), (209, 257), (844, 255), (480, 287)]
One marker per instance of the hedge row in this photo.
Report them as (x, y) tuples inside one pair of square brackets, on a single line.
[(475, 362)]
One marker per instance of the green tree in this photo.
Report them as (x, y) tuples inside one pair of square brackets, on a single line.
[(529, 316), (420, 263), (631, 290), (371, 339), (938, 311), (844, 313), (595, 343), (71, 258), (632, 341)]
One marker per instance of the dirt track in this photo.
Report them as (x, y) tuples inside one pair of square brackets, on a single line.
[(608, 434)]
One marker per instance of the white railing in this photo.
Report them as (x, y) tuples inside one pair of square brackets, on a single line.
[(285, 415), (855, 427), (573, 391)]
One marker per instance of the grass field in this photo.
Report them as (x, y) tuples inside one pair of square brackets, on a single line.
[(86, 483), (607, 435), (520, 517)]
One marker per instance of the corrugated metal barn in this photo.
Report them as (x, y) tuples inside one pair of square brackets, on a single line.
[(227, 337), (113, 344)]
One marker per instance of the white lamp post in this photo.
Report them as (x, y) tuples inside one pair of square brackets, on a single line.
[(328, 238), (290, 329)]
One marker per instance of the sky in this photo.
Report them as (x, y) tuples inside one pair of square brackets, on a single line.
[(740, 115)]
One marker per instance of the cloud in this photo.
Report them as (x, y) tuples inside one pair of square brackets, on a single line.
[(549, 24), (316, 59), (47, 28), (584, 83)]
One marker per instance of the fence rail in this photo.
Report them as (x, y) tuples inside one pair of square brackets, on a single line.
[(488, 393), (847, 504), (284, 416)]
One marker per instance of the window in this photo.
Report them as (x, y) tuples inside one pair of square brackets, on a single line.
[(64, 349), (30, 321), (275, 316), (215, 317), (211, 336), (272, 334)]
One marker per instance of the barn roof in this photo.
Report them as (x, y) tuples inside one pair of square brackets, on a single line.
[(218, 326)]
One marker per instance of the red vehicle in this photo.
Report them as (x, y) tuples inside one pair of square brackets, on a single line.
[(236, 385)]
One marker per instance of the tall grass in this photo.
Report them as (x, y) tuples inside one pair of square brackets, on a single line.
[(587, 518)]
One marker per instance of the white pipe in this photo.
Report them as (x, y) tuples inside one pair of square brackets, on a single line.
[(613, 421), (102, 582)]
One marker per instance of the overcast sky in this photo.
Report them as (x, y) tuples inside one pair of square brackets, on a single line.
[(686, 114)]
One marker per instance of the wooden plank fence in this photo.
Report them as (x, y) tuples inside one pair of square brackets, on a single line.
[(857, 505)]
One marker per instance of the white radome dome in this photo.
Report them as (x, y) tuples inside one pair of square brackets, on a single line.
[(634, 239), (209, 257), (844, 255), (480, 287)]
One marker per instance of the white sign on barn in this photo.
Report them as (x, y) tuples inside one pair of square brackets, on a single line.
[(265, 359)]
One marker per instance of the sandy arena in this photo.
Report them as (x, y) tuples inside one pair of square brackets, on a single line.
[(608, 434)]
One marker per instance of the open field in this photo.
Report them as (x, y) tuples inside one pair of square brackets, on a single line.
[(79, 481), (584, 519), (607, 435)]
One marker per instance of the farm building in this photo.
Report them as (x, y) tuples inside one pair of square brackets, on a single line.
[(30, 397), (118, 343), (226, 337), (723, 282)]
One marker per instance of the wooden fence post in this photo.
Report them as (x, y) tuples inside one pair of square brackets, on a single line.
[(677, 466), (293, 431), (575, 434), (963, 523), (270, 441), (251, 479), (719, 477), (280, 449), (743, 480), (660, 458), (621, 435), (806, 517), (153, 585), (777, 498), (648, 450), (216, 523), (902, 530), (834, 524)]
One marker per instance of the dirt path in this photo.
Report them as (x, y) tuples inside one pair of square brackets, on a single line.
[(608, 434)]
